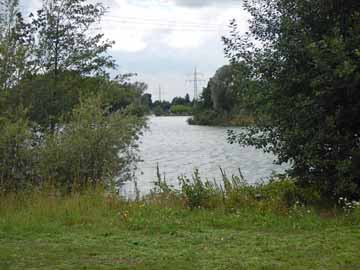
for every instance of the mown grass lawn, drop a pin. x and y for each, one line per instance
(89, 232)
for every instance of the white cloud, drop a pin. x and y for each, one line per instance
(125, 40)
(163, 40)
(204, 3)
(28, 6)
(133, 24)
(183, 40)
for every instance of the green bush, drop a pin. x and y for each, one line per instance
(181, 109)
(16, 154)
(198, 193)
(158, 111)
(92, 148)
(308, 100)
(208, 117)
(280, 194)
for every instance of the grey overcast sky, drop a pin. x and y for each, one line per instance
(163, 40)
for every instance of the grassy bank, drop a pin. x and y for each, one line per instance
(42, 230)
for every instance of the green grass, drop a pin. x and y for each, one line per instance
(93, 231)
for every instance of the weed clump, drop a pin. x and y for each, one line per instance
(280, 194)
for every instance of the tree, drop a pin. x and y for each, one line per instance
(64, 53)
(178, 101)
(187, 99)
(54, 73)
(161, 107)
(181, 110)
(146, 100)
(64, 39)
(92, 148)
(222, 90)
(128, 92)
(308, 69)
(205, 98)
(14, 38)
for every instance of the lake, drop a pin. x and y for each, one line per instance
(180, 148)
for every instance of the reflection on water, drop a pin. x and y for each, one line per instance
(179, 148)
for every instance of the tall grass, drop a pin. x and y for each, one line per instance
(230, 202)
(46, 209)
(44, 228)
(280, 194)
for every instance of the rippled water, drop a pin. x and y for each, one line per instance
(179, 148)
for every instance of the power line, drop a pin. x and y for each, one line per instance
(162, 26)
(167, 22)
(230, 4)
(152, 20)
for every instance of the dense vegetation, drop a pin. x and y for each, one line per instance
(179, 106)
(227, 99)
(68, 129)
(236, 230)
(305, 59)
(62, 119)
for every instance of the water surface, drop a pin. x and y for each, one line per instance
(179, 149)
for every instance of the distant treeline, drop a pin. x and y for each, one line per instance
(178, 106)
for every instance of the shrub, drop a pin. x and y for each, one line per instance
(308, 101)
(92, 148)
(208, 117)
(16, 154)
(280, 194)
(199, 194)
(181, 109)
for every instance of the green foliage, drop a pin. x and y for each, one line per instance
(101, 231)
(160, 184)
(307, 68)
(205, 98)
(161, 108)
(158, 111)
(279, 195)
(64, 40)
(213, 118)
(228, 99)
(178, 106)
(91, 149)
(16, 154)
(62, 119)
(197, 193)
(146, 101)
(51, 102)
(222, 90)
(181, 100)
(48, 101)
(204, 117)
(14, 47)
(181, 109)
